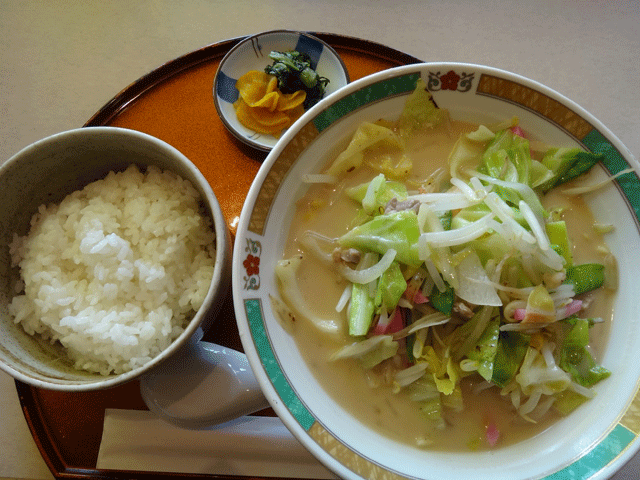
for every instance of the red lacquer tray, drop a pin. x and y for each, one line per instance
(174, 103)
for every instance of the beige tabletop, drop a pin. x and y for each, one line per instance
(60, 61)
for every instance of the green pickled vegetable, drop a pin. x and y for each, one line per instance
(294, 72)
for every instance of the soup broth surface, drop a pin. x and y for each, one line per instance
(367, 395)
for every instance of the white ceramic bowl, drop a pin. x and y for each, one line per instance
(252, 53)
(47, 171)
(592, 442)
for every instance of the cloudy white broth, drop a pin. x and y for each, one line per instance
(429, 301)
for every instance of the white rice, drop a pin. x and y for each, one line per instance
(116, 270)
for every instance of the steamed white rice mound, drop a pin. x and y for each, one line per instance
(116, 270)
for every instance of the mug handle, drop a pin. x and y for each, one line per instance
(202, 385)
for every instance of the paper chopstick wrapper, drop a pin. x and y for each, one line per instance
(251, 446)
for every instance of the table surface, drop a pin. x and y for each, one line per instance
(62, 61)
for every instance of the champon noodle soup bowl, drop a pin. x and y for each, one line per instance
(46, 172)
(591, 442)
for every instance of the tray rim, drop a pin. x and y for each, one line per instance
(136, 89)
(125, 98)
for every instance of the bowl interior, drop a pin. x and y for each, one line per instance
(253, 54)
(589, 444)
(46, 172)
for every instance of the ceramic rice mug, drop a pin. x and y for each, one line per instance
(172, 383)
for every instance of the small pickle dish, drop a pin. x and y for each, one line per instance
(303, 69)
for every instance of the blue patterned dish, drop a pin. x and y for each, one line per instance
(252, 53)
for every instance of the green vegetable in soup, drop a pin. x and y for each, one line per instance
(567, 164)
(575, 357)
(420, 112)
(398, 230)
(473, 278)
(390, 288)
(512, 348)
(585, 277)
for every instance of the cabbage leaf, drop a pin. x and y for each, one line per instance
(425, 391)
(397, 230)
(381, 194)
(444, 370)
(484, 352)
(420, 111)
(391, 286)
(508, 158)
(534, 373)
(367, 135)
